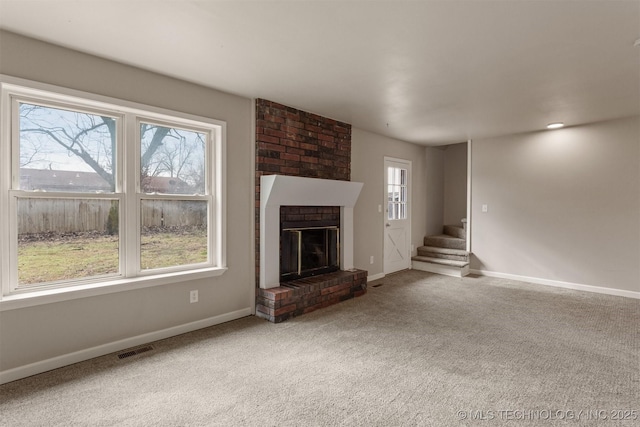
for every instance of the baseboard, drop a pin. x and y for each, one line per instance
(559, 284)
(101, 350)
(375, 277)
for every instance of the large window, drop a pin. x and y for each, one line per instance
(104, 192)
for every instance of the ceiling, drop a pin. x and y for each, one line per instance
(427, 72)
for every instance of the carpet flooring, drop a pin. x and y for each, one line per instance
(417, 349)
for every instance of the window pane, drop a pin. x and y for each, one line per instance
(172, 160)
(66, 239)
(62, 150)
(174, 232)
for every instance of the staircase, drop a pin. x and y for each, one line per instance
(444, 253)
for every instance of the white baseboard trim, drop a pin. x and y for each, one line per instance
(559, 284)
(375, 277)
(101, 350)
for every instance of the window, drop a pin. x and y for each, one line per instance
(397, 193)
(105, 192)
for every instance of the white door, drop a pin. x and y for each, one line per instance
(397, 224)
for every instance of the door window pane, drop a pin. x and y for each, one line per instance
(397, 193)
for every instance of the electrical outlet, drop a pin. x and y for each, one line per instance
(193, 296)
(485, 208)
(371, 259)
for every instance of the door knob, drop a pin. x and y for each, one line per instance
(388, 225)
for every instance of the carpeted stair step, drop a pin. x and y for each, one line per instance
(445, 241)
(455, 231)
(443, 253)
(440, 261)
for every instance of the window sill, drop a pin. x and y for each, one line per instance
(48, 296)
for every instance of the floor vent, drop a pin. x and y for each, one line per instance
(133, 352)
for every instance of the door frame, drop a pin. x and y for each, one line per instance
(409, 165)
(469, 199)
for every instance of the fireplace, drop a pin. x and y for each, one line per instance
(278, 191)
(312, 216)
(308, 251)
(303, 173)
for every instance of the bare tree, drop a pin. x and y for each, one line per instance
(47, 134)
(179, 156)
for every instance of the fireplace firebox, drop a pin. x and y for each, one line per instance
(308, 251)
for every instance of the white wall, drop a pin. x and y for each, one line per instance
(455, 183)
(40, 333)
(563, 205)
(434, 196)
(367, 165)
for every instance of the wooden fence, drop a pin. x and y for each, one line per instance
(75, 215)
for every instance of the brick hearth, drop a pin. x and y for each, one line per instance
(311, 293)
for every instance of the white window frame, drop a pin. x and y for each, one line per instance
(128, 192)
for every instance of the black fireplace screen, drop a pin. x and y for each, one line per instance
(308, 251)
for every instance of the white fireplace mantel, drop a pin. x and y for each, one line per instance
(281, 190)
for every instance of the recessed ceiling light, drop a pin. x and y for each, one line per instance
(557, 125)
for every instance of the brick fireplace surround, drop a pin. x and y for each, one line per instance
(297, 143)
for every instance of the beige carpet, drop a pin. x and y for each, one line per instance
(417, 350)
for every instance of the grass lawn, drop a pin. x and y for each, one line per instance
(159, 250)
(69, 258)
